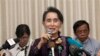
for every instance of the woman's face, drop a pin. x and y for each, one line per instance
(24, 40)
(52, 22)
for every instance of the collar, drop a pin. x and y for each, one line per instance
(55, 41)
(86, 41)
(22, 48)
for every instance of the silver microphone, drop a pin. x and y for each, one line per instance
(51, 44)
(49, 31)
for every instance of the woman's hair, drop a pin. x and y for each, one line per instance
(80, 23)
(21, 29)
(55, 10)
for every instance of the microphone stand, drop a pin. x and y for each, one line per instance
(52, 49)
(52, 45)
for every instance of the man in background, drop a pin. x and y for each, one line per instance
(81, 30)
(22, 47)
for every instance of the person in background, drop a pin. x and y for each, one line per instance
(51, 38)
(81, 30)
(22, 47)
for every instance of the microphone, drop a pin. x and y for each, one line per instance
(75, 51)
(86, 52)
(51, 43)
(9, 43)
(76, 48)
(49, 31)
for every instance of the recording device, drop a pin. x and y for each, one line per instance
(9, 43)
(76, 48)
(75, 51)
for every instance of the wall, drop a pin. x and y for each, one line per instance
(15, 12)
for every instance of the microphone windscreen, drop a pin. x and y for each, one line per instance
(73, 42)
(9, 43)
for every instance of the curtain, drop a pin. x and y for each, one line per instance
(15, 12)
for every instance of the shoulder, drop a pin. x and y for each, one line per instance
(95, 42)
(35, 42)
(14, 48)
(5, 52)
(66, 37)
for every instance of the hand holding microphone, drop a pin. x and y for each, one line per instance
(51, 43)
(50, 40)
(44, 38)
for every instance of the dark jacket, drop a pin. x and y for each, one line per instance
(45, 50)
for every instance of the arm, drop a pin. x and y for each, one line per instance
(38, 44)
(34, 50)
(98, 52)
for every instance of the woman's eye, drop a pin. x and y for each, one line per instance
(48, 20)
(55, 20)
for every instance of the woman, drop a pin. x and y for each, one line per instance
(52, 21)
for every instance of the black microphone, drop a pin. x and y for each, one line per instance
(9, 43)
(75, 51)
(86, 52)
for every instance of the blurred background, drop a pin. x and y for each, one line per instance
(15, 12)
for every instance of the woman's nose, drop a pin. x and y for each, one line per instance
(52, 23)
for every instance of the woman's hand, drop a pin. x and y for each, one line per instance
(44, 39)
